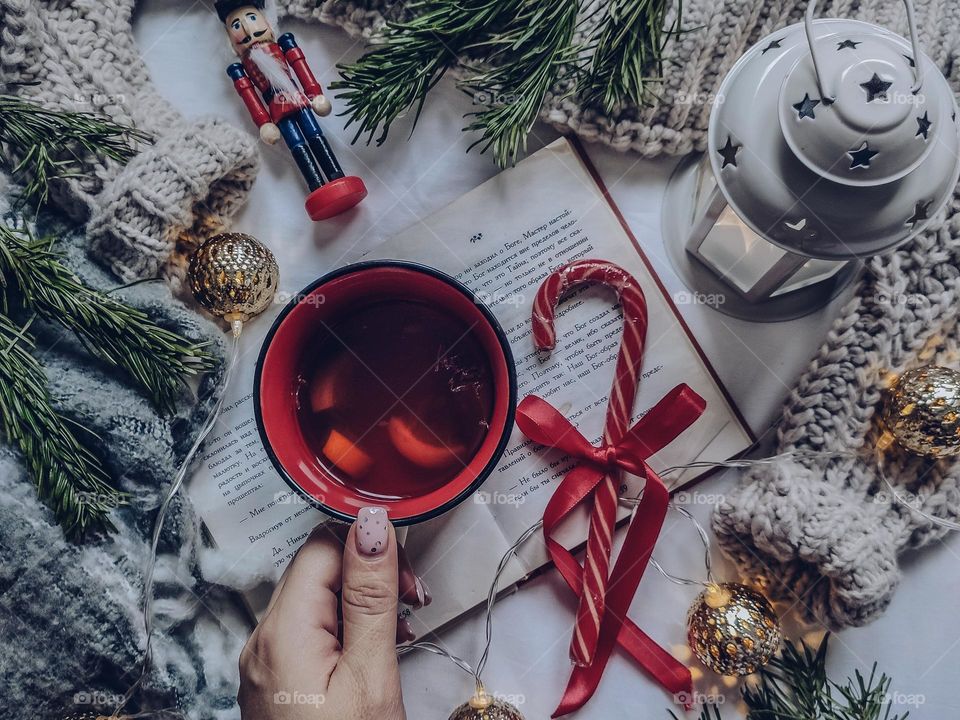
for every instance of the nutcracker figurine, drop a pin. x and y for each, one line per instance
(264, 79)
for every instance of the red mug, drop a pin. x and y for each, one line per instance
(278, 377)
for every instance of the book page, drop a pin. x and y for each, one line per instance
(502, 240)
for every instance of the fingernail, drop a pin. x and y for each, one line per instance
(423, 592)
(372, 535)
(405, 633)
(421, 595)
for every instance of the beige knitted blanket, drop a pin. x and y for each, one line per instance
(145, 216)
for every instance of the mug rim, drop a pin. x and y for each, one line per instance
(488, 316)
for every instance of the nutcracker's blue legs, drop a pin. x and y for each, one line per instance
(301, 152)
(319, 144)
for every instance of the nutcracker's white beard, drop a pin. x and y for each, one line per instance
(274, 71)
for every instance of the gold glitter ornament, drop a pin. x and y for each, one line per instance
(234, 276)
(732, 629)
(483, 706)
(922, 412)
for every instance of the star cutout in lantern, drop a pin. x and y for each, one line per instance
(919, 212)
(848, 44)
(923, 125)
(805, 107)
(773, 44)
(876, 87)
(861, 157)
(729, 153)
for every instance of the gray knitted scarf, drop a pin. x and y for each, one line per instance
(70, 622)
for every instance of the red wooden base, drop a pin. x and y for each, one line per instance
(335, 197)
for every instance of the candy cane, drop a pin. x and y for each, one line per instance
(619, 410)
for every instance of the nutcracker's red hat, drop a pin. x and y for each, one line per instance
(225, 7)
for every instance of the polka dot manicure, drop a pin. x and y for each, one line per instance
(372, 524)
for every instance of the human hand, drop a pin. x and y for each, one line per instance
(321, 106)
(269, 133)
(294, 666)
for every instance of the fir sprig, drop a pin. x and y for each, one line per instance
(795, 686)
(524, 47)
(54, 144)
(525, 60)
(409, 57)
(627, 54)
(68, 476)
(157, 359)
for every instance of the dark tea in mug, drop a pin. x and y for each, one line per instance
(396, 397)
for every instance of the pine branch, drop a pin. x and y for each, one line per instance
(628, 53)
(68, 476)
(53, 144)
(527, 59)
(409, 57)
(155, 358)
(795, 686)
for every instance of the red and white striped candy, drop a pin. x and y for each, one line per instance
(619, 410)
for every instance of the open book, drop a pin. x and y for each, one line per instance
(501, 240)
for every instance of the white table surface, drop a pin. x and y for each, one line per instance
(917, 641)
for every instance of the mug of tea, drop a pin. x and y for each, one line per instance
(385, 383)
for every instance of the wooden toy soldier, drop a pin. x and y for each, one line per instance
(266, 78)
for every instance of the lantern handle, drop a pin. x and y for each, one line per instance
(911, 24)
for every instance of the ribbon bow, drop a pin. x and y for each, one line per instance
(543, 423)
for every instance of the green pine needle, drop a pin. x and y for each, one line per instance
(795, 686)
(54, 144)
(156, 359)
(409, 57)
(523, 49)
(69, 477)
(628, 53)
(526, 59)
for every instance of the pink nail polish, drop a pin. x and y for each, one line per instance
(423, 592)
(372, 535)
(405, 633)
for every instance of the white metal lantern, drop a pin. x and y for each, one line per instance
(830, 141)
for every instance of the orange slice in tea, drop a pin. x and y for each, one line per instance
(323, 390)
(417, 450)
(346, 455)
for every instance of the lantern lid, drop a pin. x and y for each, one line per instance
(822, 139)
(868, 124)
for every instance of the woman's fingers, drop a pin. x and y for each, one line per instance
(369, 595)
(413, 592)
(304, 604)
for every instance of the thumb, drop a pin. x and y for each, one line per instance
(369, 597)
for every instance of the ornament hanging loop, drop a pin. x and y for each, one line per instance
(815, 54)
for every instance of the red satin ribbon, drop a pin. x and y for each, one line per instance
(542, 423)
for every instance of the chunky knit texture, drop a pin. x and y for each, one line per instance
(825, 536)
(70, 622)
(144, 216)
(696, 61)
